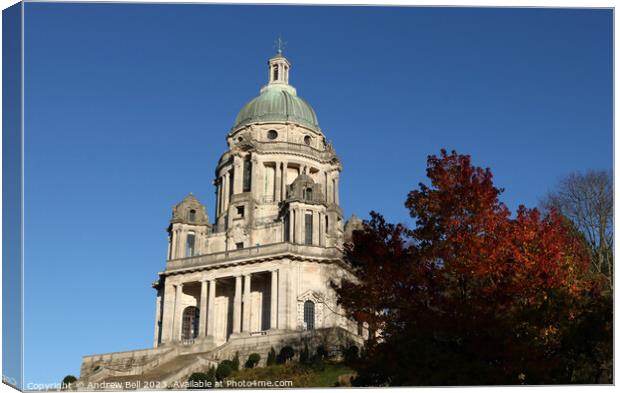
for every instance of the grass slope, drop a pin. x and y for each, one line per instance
(325, 375)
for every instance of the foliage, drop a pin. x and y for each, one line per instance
(252, 361)
(351, 354)
(321, 352)
(224, 369)
(471, 295)
(286, 354)
(300, 375)
(586, 199)
(201, 380)
(304, 354)
(67, 381)
(271, 357)
(235, 362)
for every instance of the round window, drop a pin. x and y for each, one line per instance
(307, 140)
(272, 134)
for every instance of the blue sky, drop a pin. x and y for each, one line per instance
(127, 108)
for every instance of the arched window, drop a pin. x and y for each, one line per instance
(247, 174)
(275, 72)
(308, 229)
(192, 215)
(189, 248)
(191, 322)
(309, 314)
(308, 194)
(307, 140)
(287, 228)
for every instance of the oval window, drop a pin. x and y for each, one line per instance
(272, 134)
(307, 140)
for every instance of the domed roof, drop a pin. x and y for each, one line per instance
(277, 103)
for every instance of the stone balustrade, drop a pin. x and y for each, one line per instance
(279, 249)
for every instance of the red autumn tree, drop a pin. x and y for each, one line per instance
(482, 298)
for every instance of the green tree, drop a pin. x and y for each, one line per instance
(67, 381)
(235, 362)
(252, 361)
(201, 380)
(271, 357)
(286, 354)
(224, 370)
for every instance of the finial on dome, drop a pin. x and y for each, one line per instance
(280, 44)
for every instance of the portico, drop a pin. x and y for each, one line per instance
(214, 307)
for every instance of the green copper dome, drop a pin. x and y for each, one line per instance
(277, 103)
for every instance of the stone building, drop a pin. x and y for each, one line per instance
(257, 275)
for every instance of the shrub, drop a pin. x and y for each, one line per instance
(200, 381)
(67, 381)
(271, 357)
(321, 352)
(304, 354)
(286, 354)
(351, 354)
(235, 362)
(252, 361)
(224, 369)
(211, 374)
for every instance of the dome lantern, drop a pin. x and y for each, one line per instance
(278, 100)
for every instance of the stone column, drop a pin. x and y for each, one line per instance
(316, 224)
(292, 293)
(174, 240)
(202, 327)
(211, 317)
(329, 195)
(226, 191)
(177, 313)
(238, 179)
(157, 319)
(274, 300)
(278, 182)
(218, 190)
(168, 317)
(182, 246)
(325, 190)
(337, 192)
(246, 302)
(291, 226)
(237, 306)
(301, 217)
(284, 172)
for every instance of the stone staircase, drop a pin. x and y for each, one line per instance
(170, 369)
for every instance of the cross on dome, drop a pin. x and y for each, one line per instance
(279, 45)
